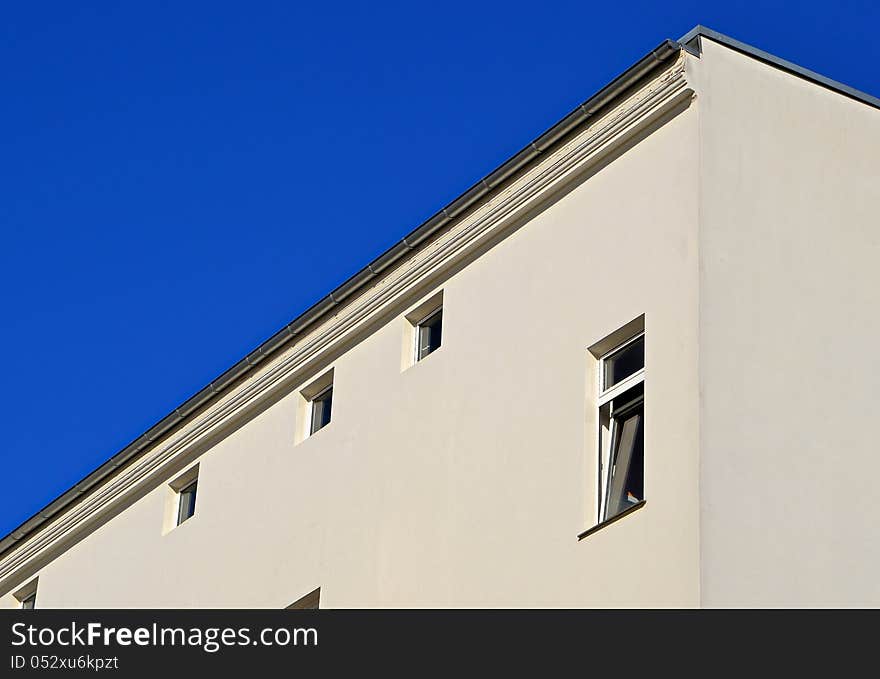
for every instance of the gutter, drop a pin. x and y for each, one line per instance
(595, 105)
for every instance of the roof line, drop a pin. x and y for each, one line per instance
(593, 106)
(691, 42)
(412, 241)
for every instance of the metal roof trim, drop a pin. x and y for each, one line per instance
(691, 41)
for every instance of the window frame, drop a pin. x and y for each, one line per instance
(307, 396)
(417, 348)
(606, 395)
(321, 396)
(618, 425)
(175, 488)
(413, 319)
(607, 431)
(194, 485)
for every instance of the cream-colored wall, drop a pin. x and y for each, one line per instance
(789, 329)
(745, 229)
(465, 479)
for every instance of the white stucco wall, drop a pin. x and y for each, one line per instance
(744, 228)
(465, 480)
(790, 244)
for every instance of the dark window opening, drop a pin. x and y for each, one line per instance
(322, 404)
(29, 602)
(186, 506)
(429, 334)
(624, 362)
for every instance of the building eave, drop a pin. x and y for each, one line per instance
(586, 112)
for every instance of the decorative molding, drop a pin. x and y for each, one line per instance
(587, 147)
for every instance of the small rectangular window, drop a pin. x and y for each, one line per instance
(322, 405)
(429, 334)
(180, 498)
(422, 329)
(27, 596)
(186, 505)
(314, 406)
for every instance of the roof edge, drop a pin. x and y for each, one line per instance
(648, 65)
(691, 42)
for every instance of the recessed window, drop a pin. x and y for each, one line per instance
(180, 503)
(315, 409)
(422, 330)
(622, 421)
(429, 332)
(621, 416)
(27, 596)
(186, 505)
(322, 405)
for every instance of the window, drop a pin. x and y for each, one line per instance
(626, 463)
(621, 418)
(428, 333)
(623, 362)
(322, 404)
(422, 330)
(27, 596)
(180, 502)
(186, 505)
(315, 406)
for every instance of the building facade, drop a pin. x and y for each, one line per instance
(618, 372)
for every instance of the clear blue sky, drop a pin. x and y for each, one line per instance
(181, 179)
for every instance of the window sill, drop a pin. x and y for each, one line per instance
(608, 522)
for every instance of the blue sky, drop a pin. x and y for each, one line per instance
(181, 179)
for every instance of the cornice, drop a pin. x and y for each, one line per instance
(635, 114)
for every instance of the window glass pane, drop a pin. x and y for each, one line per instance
(627, 399)
(430, 331)
(187, 503)
(29, 602)
(321, 407)
(626, 486)
(623, 363)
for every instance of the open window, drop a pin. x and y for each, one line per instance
(624, 462)
(621, 417)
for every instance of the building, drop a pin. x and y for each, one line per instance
(618, 371)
